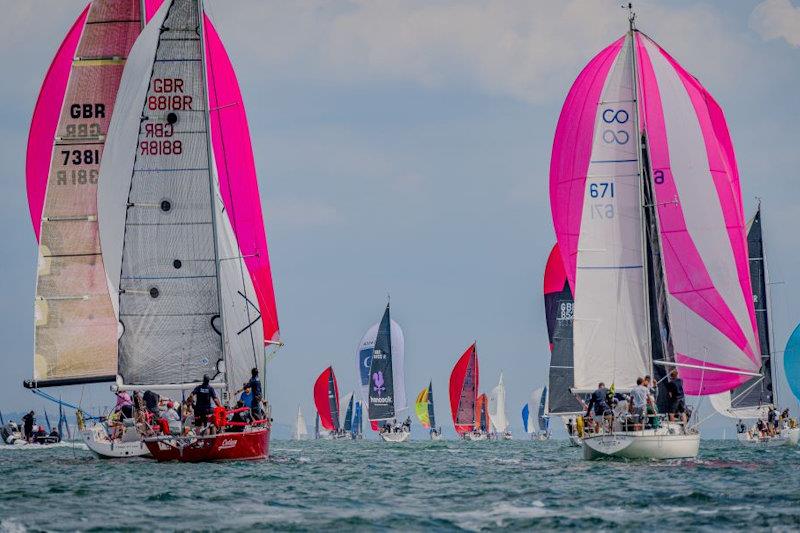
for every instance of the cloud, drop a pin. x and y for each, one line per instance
(777, 19)
(510, 48)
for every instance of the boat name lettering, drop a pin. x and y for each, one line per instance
(154, 129)
(228, 444)
(87, 111)
(380, 400)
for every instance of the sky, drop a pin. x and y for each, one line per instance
(403, 148)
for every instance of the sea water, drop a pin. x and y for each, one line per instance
(368, 485)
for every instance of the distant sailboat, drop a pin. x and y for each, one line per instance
(357, 429)
(326, 400)
(755, 398)
(527, 422)
(300, 429)
(316, 426)
(497, 410)
(349, 413)
(541, 420)
(646, 204)
(425, 412)
(386, 395)
(464, 380)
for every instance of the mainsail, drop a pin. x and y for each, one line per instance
(347, 402)
(431, 414)
(75, 328)
(188, 294)
(464, 390)
(483, 420)
(364, 355)
(753, 398)
(300, 429)
(638, 130)
(386, 395)
(542, 418)
(357, 421)
(497, 407)
(559, 308)
(326, 399)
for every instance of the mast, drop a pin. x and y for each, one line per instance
(770, 338)
(641, 171)
(211, 187)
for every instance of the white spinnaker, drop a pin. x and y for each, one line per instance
(692, 335)
(497, 407)
(300, 429)
(366, 346)
(610, 333)
(533, 410)
(120, 149)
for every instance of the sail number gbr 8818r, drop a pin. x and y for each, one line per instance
(169, 96)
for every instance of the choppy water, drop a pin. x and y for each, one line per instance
(443, 486)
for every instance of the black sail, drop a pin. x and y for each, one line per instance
(431, 418)
(381, 383)
(558, 307)
(333, 400)
(759, 390)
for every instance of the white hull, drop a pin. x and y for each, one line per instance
(130, 445)
(476, 436)
(395, 436)
(787, 437)
(644, 444)
(435, 435)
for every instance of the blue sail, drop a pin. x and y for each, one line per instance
(348, 416)
(355, 430)
(791, 362)
(525, 413)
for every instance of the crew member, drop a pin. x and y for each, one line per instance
(27, 425)
(203, 395)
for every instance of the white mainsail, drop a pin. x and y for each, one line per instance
(179, 286)
(497, 407)
(300, 429)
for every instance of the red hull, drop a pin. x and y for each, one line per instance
(248, 445)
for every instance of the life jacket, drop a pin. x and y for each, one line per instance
(163, 425)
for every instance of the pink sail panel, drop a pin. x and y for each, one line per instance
(572, 150)
(702, 231)
(45, 120)
(236, 171)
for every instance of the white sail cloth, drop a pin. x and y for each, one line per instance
(497, 407)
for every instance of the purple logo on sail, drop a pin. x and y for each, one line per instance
(377, 379)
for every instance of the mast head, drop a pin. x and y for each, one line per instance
(631, 15)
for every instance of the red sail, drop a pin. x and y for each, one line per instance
(464, 390)
(322, 399)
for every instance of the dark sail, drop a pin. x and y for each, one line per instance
(316, 427)
(759, 390)
(333, 400)
(381, 384)
(660, 336)
(430, 406)
(558, 306)
(348, 416)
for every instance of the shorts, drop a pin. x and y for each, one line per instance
(638, 412)
(200, 418)
(678, 407)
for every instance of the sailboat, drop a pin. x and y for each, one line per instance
(464, 379)
(497, 410)
(791, 368)
(539, 419)
(559, 307)
(754, 399)
(425, 412)
(646, 204)
(317, 434)
(181, 231)
(386, 396)
(75, 327)
(326, 400)
(349, 412)
(357, 429)
(300, 429)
